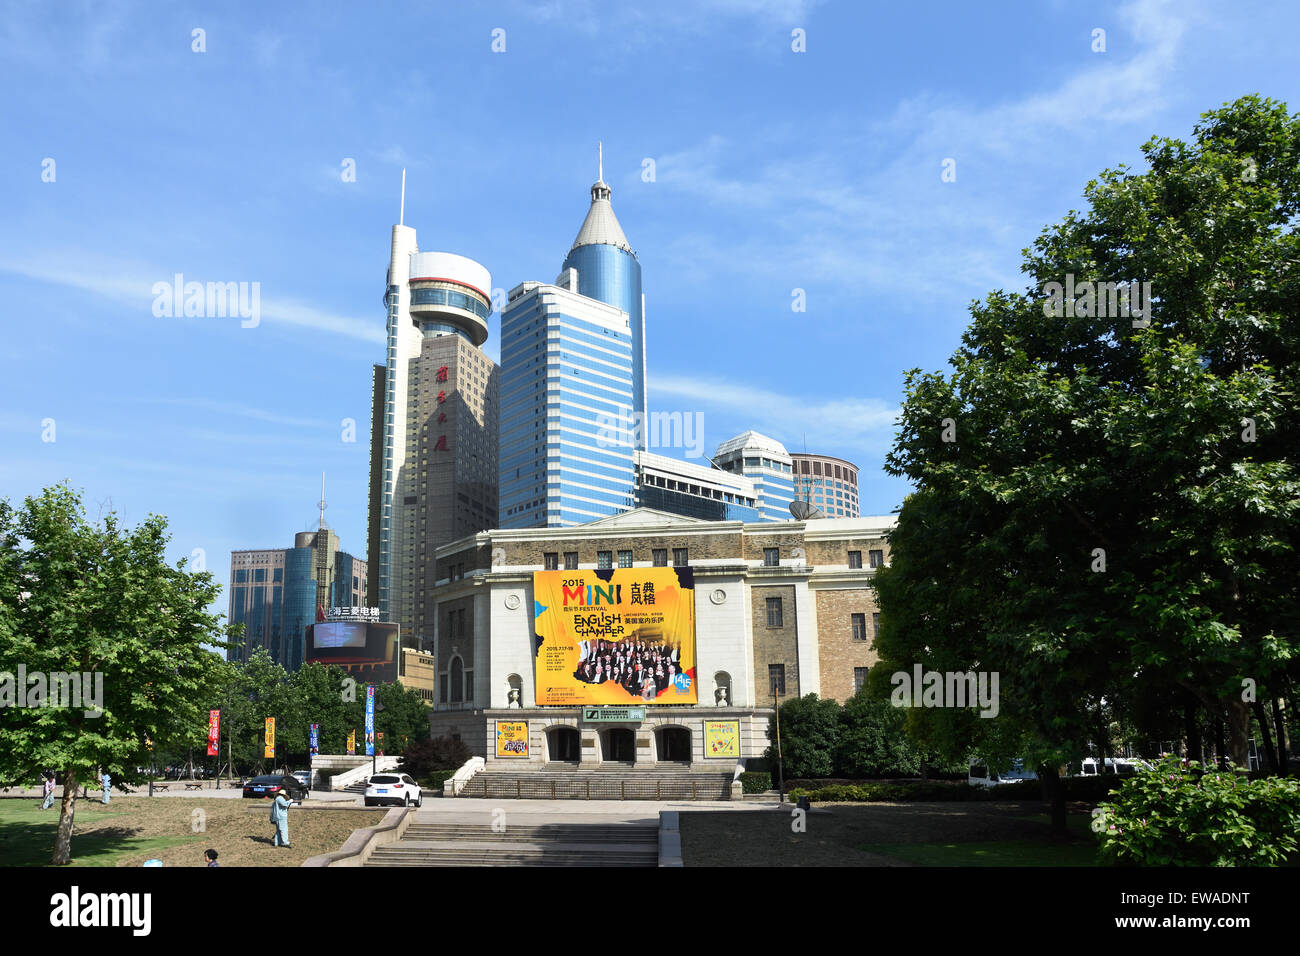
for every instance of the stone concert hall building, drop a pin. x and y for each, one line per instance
(780, 609)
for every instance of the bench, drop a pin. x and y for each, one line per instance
(160, 786)
(194, 786)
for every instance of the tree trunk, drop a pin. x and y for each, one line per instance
(1054, 793)
(1239, 733)
(63, 839)
(1283, 757)
(1262, 716)
(1220, 744)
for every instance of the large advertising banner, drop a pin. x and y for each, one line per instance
(615, 636)
(314, 739)
(269, 749)
(722, 738)
(214, 731)
(512, 738)
(370, 721)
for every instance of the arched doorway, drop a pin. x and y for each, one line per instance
(674, 744)
(618, 745)
(562, 744)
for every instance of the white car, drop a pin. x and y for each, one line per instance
(395, 788)
(303, 777)
(979, 775)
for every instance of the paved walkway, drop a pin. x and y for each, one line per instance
(542, 812)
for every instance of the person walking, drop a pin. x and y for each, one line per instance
(48, 785)
(280, 817)
(210, 856)
(108, 784)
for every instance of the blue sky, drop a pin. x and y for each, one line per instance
(775, 170)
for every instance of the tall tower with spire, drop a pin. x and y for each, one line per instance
(608, 271)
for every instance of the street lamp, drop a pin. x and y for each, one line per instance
(374, 743)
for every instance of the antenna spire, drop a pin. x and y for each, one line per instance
(401, 221)
(321, 503)
(600, 161)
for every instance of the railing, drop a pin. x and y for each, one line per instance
(592, 788)
(453, 785)
(341, 781)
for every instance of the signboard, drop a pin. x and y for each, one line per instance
(370, 720)
(269, 749)
(354, 613)
(314, 742)
(352, 741)
(214, 731)
(722, 738)
(620, 714)
(615, 636)
(512, 738)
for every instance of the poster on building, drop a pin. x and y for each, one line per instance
(269, 749)
(722, 738)
(214, 732)
(370, 721)
(314, 742)
(352, 741)
(615, 636)
(512, 738)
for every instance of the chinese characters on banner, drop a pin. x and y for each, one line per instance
(214, 731)
(441, 443)
(315, 739)
(722, 738)
(269, 749)
(370, 720)
(512, 738)
(352, 741)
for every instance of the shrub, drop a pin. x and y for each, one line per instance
(873, 740)
(755, 782)
(432, 781)
(422, 757)
(1177, 814)
(809, 734)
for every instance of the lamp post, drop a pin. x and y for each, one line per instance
(780, 766)
(374, 744)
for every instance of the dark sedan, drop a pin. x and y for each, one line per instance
(269, 785)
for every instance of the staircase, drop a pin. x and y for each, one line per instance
(561, 844)
(607, 783)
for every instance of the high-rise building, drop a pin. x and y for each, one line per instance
(566, 375)
(694, 491)
(830, 484)
(608, 270)
(278, 593)
(766, 463)
(433, 457)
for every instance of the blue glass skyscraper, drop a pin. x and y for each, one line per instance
(609, 272)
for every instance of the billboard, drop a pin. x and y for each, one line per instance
(512, 738)
(269, 749)
(367, 650)
(615, 636)
(722, 738)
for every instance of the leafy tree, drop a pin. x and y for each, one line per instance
(810, 729)
(1108, 501)
(873, 740)
(98, 598)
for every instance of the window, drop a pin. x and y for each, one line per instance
(774, 616)
(660, 556)
(570, 560)
(859, 678)
(277, 575)
(551, 560)
(877, 558)
(457, 680)
(855, 559)
(859, 627)
(442, 688)
(776, 679)
(625, 559)
(875, 623)
(679, 557)
(771, 557)
(604, 559)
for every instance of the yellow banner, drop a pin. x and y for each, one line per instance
(512, 738)
(352, 741)
(616, 636)
(722, 738)
(269, 750)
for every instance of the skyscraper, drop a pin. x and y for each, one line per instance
(608, 270)
(566, 383)
(433, 447)
(766, 463)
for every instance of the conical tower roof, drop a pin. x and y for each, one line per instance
(601, 225)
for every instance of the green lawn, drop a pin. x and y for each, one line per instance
(27, 836)
(1000, 853)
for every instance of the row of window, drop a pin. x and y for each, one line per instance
(776, 679)
(877, 558)
(605, 559)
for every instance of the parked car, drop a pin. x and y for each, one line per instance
(979, 775)
(303, 777)
(1120, 766)
(268, 785)
(395, 788)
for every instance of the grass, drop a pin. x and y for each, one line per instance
(1000, 853)
(131, 830)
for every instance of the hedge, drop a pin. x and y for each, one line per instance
(753, 781)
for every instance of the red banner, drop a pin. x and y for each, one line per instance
(214, 731)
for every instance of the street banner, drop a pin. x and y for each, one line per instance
(214, 731)
(722, 738)
(370, 720)
(315, 739)
(352, 741)
(512, 738)
(615, 636)
(269, 750)
(379, 743)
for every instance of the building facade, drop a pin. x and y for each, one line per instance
(780, 609)
(278, 593)
(766, 464)
(433, 425)
(831, 484)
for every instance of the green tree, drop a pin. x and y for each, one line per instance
(873, 740)
(810, 728)
(1108, 501)
(98, 598)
